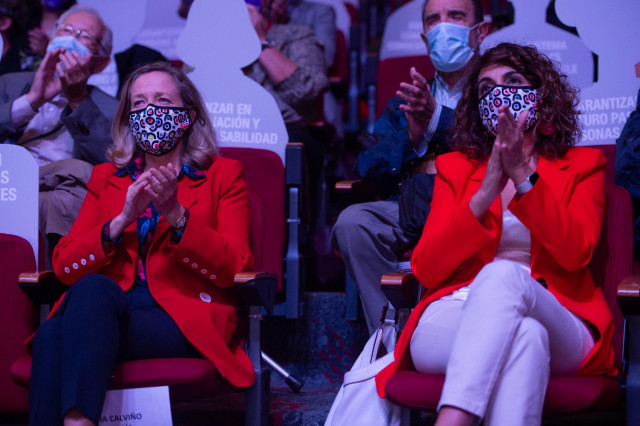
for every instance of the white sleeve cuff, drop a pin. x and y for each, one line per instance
(423, 146)
(21, 111)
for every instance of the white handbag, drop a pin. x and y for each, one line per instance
(357, 402)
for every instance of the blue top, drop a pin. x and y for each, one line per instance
(385, 164)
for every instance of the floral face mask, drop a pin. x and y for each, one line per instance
(159, 129)
(518, 98)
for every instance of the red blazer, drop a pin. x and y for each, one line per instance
(191, 280)
(564, 212)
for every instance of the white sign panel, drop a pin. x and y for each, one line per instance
(162, 27)
(125, 18)
(154, 24)
(530, 28)
(610, 29)
(19, 194)
(218, 45)
(401, 35)
(137, 407)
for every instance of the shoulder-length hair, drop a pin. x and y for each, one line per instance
(199, 143)
(557, 104)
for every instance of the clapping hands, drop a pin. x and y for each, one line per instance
(61, 72)
(509, 142)
(159, 185)
(508, 160)
(419, 107)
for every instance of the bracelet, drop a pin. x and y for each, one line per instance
(528, 183)
(267, 44)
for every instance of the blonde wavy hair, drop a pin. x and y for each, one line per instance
(199, 143)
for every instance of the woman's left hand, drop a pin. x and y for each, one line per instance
(509, 143)
(163, 190)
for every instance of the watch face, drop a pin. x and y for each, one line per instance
(181, 222)
(534, 178)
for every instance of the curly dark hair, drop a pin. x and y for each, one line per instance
(557, 103)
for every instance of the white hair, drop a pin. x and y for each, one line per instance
(107, 35)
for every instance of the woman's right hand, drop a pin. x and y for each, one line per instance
(495, 179)
(135, 203)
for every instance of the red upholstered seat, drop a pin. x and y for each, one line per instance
(189, 378)
(564, 394)
(264, 174)
(18, 317)
(339, 71)
(612, 261)
(393, 71)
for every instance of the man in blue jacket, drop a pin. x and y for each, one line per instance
(409, 134)
(628, 167)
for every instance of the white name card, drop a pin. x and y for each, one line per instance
(137, 407)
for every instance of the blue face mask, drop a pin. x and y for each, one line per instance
(68, 43)
(449, 46)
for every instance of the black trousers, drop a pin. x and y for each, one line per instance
(75, 351)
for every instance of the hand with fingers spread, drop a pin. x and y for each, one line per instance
(74, 71)
(163, 189)
(46, 83)
(509, 142)
(419, 107)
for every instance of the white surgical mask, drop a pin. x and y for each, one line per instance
(449, 46)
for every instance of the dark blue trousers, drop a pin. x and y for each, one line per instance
(75, 351)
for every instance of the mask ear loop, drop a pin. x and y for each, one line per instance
(200, 120)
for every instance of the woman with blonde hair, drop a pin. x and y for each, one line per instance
(151, 257)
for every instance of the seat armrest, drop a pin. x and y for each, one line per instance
(354, 191)
(253, 288)
(401, 288)
(628, 295)
(43, 288)
(294, 161)
(256, 289)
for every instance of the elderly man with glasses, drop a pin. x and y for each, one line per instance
(64, 122)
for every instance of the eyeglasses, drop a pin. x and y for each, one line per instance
(83, 36)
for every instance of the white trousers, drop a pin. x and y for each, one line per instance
(498, 348)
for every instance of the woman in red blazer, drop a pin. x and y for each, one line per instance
(151, 257)
(515, 218)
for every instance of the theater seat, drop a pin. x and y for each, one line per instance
(18, 317)
(611, 267)
(190, 379)
(277, 202)
(393, 71)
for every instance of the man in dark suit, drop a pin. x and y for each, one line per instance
(63, 122)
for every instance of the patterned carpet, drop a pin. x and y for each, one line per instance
(319, 348)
